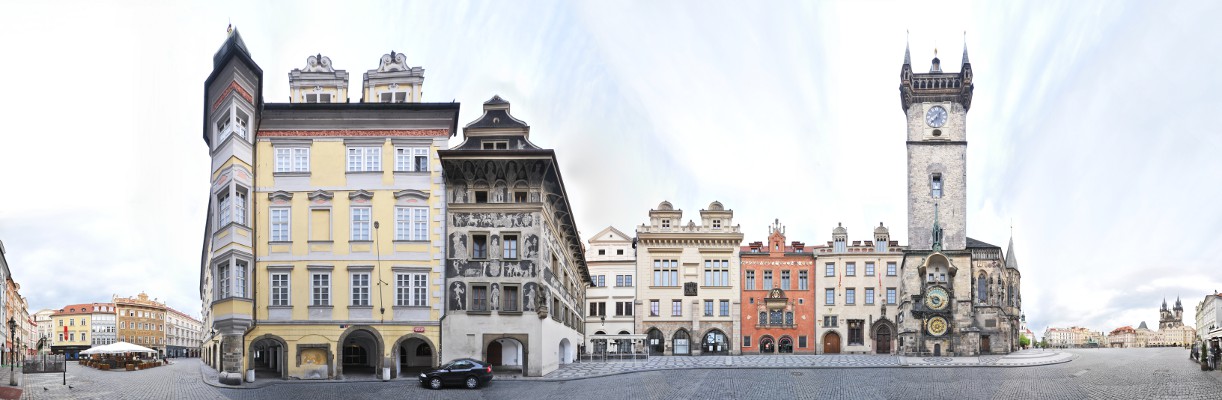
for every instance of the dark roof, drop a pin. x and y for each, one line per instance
(497, 119)
(976, 244)
(233, 47)
(495, 100)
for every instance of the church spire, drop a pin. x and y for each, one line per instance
(1011, 261)
(965, 61)
(907, 54)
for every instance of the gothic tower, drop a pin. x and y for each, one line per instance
(936, 316)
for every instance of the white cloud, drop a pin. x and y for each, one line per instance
(1093, 126)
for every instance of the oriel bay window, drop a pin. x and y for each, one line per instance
(665, 273)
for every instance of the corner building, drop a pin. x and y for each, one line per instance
(690, 303)
(298, 279)
(959, 296)
(516, 270)
(778, 296)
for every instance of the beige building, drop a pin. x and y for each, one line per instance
(688, 295)
(857, 291)
(610, 324)
(141, 321)
(1075, 336)
(44, 332)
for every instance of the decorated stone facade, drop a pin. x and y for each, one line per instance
(958, 297)
(515, 269)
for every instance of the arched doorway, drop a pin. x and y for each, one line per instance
(624, 345)
(715, 342)
(831, 343)
(414, 354)
(565, 351)
(269, 357)
(785, 346)
(882, 340)
(505, 355)
(656, 342)
(599, 345)
(682, 343)
(360, 353)
(767, 345)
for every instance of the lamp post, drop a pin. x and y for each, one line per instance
(12, 374)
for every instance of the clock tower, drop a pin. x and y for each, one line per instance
(936, 304)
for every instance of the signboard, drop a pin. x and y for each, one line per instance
(418, 329)
(689, 289)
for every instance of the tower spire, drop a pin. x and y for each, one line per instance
(965, 61)
(907, 56)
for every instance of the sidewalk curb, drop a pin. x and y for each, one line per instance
(248, 386)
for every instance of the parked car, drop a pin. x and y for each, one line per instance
(465, 371)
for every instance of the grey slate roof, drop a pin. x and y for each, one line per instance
(976, 244)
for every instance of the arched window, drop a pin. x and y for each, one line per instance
(982, 289)
(682, 342)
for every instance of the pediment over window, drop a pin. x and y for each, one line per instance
(361, 195)
(321, 196)
(280, 195)
(776, 299)
(412, 193)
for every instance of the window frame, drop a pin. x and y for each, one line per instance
(676, 308)
(364, 225)
(829, 297)
(291, 159)
(281, 231)
(320, 289)
(407, 159)
(509, 248)
(358, 290)
(829, 269)
(361, 158)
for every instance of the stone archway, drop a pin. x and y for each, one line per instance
(413, 352)
(268, 356)
(565, 351)
(359, 345)
(883, 335)
(656, 342)
(715, 342)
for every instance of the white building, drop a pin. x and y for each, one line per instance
(183, 333)
(42, 319)
(1209, 317)
(609, 317)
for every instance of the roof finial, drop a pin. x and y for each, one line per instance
(965, 48)
(229, 30)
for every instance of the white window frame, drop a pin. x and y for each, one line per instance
(222, 282)
(239, 206)
(395, 96)
(241, 267)
(411, 289)
(411, 223)
(292, 159)
(359, 289)
(320, 289)
(407, 159)
(224, 213)
(364, 159)
(281, 223)
(359, 229)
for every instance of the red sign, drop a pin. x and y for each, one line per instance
(418, 329)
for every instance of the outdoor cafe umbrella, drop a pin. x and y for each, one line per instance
(119, 348)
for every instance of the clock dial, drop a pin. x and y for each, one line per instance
(936, 299)
(936, 326)
(936, 116)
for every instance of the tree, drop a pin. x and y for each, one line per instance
(1023, 341)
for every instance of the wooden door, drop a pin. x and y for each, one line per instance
(882, 341)
(831, 343)
(494, 353)
(984, 345)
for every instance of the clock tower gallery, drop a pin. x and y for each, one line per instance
(935, 311)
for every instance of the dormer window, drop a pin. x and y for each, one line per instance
(935, 185)
(495, 144)
(666, 223)
(393, 97)
(716, 223)
(880, 245)
(318, 98)
(841, 246)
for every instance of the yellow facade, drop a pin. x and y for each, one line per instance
(77, 332)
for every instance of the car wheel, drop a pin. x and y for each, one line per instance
(472, 383)
(435, 383)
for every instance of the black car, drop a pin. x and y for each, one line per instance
(468, 372)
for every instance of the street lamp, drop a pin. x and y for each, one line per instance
(12, 330)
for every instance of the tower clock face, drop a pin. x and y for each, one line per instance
(936, 326)
(936, 116)
(936, 299)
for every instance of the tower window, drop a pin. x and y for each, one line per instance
(937, 132)
(935, 185)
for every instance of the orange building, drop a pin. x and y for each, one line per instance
(141, 321)
(778, 303)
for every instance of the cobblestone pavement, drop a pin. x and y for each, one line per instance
(1163, 373)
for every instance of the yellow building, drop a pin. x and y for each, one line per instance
(306, 285)
(71, 329)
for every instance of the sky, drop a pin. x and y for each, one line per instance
(1093, 134)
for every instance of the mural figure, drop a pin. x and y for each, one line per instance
(529, 295)
(458, 300)
(532, 247)
(496, 296)
(494, 250)
(458, 243)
